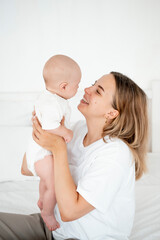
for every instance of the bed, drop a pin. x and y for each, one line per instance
(19, 194)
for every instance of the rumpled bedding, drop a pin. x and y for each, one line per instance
(21, 197)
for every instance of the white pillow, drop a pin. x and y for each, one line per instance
(13, 143)
(16, 108)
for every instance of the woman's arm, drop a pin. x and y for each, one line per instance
(70, 203)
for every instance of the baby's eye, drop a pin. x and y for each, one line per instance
(97, 91)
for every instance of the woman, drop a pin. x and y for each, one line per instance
(94, 183)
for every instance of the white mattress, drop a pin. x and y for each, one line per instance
(21, 197)
(147, 217)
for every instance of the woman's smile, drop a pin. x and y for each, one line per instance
(84, 101)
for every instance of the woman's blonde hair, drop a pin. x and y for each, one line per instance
(131, 125)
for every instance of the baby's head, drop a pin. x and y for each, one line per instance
(62, 76)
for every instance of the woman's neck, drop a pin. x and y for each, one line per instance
(94, 133)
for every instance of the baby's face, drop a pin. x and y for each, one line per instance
(72, 88)
(73, 78)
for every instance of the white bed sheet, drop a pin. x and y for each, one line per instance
(21, 197)
(147, 216)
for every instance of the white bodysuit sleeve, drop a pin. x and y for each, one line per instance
(102, 181)
(51, 116)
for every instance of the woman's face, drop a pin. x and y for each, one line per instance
(97, 100)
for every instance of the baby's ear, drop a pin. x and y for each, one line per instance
(63, 85)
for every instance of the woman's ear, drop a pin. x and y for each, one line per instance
(63, 85)
(112, 114)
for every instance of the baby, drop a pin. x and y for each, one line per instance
(62, 76)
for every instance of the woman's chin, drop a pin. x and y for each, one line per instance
(82, 110)
(80, 107)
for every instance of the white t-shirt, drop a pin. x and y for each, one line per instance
(50, 109)
(105, 177)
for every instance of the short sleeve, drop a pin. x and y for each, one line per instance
(101, 182)
(51, 116)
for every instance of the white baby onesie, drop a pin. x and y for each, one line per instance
(50, 109)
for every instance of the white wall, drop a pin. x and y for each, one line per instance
(102, 35)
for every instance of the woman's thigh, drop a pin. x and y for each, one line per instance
(23, 227)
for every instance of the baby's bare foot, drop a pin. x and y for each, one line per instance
(40, 204)
(50, 222)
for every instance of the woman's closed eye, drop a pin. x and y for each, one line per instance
(98, 92)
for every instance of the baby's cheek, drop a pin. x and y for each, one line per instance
(76, 90)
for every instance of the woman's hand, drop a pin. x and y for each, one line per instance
(49, 141)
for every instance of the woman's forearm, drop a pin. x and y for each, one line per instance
(65, 188)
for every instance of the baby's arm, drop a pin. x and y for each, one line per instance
(64, 132)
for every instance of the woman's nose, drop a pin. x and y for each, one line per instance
(88, 90)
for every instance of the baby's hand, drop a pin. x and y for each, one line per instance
(69, 135)
(33, 115)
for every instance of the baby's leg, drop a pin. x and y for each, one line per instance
(42, 189)
(24, 167)
(44, 169)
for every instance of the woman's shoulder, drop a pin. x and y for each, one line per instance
(125, 153)
(120, 150)
(118, 143)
